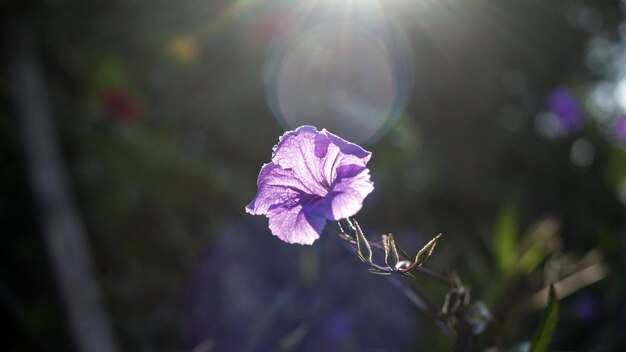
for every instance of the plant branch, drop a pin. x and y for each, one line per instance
(446, 280)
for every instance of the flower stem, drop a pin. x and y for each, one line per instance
(352, 223)
(435, 275)
(421, 304)
(418, 300)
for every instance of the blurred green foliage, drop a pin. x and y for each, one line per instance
(542, 339)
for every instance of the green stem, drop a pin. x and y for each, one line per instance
(352, 223)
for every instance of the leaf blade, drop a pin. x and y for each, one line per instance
(363, 246)
(542, 338)
(505, 239)
(422, 256)
(391, 252)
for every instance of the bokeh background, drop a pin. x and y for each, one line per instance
(500, 124)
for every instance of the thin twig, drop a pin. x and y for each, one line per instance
(446, 280)
(421, 304)
(417, 299)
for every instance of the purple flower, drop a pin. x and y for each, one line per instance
(564, 105)
(586, 307)
(313, 177)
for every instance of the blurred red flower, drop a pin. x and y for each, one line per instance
(121, 105)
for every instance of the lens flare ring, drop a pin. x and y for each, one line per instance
(352, 75)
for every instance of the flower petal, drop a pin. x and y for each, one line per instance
(340, 153)
(348, 148)
(296, 151)
(313, 177)
(296, 223)
(348, 191)
(275, 186)
(315, 156)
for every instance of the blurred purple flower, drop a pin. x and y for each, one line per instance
(562, 103)
(313, 177)
(340, 326)
(620, 129)
(586, 307)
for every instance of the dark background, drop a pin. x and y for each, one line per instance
(504, 125)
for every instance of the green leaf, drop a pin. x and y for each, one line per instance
(343, 234)
(424, 253)
(358, 254)
(379, 272)
(109, 72)
(363, 247)
(408, 274)
(505, 239)
(546, 329)
(391, 253)
(537, 243)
